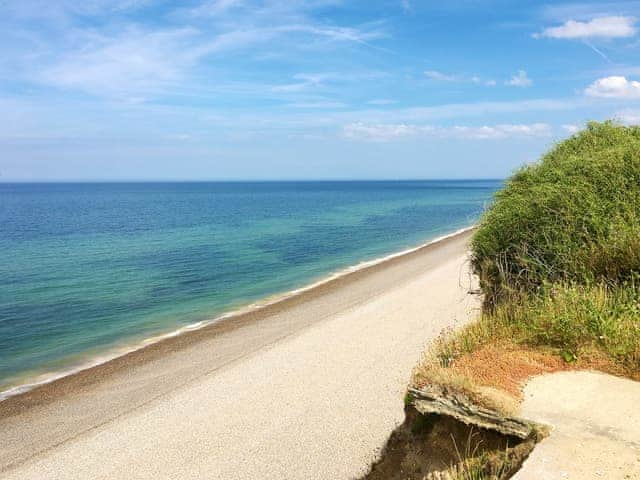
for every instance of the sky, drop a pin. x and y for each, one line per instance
(317, 89)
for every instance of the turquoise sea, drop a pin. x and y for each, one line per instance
(85, 268)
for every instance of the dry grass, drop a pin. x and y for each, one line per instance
(491, 359)
(492, 376)
(500, 366)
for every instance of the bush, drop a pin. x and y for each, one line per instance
(574, 217)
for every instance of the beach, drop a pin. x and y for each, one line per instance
(306, 387)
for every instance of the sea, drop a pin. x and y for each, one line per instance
(89, 271)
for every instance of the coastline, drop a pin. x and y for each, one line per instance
(39, 423)
(113, 354)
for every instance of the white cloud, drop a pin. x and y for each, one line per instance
(406, 6)
(501, 131)
(479, 81)
(602, 27)
(521, 79)
(389, 132)
(445, 77)
(439, 76)
(379, 132)
(571, 128)
(614, 87)
(628, 117)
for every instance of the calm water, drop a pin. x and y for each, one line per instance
(86, 267)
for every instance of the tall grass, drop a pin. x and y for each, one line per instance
(573, 321)
(558, 252)
(572, 217)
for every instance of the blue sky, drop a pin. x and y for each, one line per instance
(277, 89)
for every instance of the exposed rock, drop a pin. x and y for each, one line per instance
(438, 400)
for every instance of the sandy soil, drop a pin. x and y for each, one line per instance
(309, 388)
(595, 421)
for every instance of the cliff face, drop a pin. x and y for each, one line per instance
(445, 436)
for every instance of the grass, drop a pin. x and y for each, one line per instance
(558, 254)
(562, 327)
(572, 217)
(473, 465)
(558, 259)
(571, 321)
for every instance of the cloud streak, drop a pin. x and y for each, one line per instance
(389, 132)
(438, 76)
(125, 58)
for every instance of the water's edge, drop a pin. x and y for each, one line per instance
(109, 355)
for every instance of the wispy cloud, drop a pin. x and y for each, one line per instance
(502, 131)
(61, 8)
(326, 104)
(215, 7)
(614, 87)
(601, 27)
(127, 57)
(381, 101)
(381, 132)
(304, 81)
(628, 117)
(521, 79)
(438, 76)
(131, 62)
(389, 132)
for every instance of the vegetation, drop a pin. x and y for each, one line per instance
(558, 253)
(573, 217)
(558, 259)
(596, 323)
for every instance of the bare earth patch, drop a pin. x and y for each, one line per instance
(501, 367)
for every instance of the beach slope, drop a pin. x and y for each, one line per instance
(309, 387)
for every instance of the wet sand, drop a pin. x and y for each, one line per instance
(307, 387)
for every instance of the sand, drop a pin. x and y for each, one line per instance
(308, 388)
(595, 421)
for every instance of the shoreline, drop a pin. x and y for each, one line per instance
(290, 376)
(56, 383)
(40, 380)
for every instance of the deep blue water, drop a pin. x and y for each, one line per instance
(86, 267)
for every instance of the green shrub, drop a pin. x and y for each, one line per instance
(574, 217)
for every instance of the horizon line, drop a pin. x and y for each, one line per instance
(239, 180)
